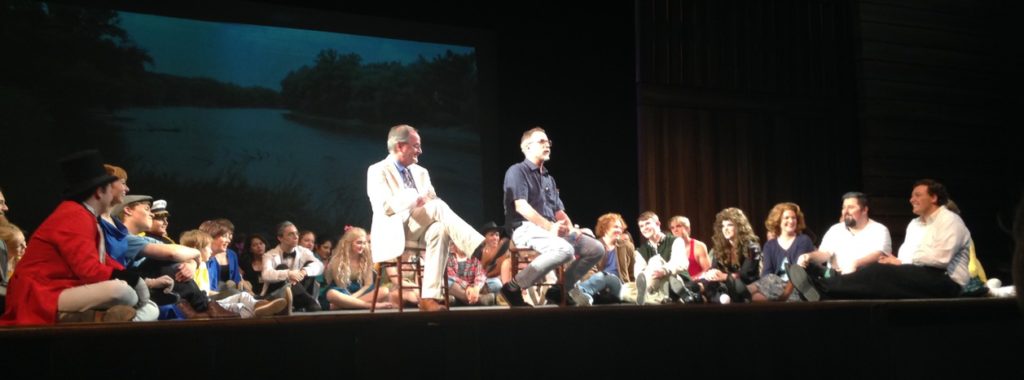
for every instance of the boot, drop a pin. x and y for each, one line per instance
(119, 313)
(190, 312)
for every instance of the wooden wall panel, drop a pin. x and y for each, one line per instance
(745, 104)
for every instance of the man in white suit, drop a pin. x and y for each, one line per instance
(405, 208)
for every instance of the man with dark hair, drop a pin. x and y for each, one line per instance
(406, 208)
(535, 212)
(932, 263)
(854, 242)
(288, 271)
(66, 269)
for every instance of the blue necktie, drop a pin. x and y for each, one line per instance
(407, 178)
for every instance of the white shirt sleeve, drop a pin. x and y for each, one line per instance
(312, 266)
(679, 262)
(942, 238)
(271, 259)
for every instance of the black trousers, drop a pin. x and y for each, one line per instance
(883, 281)
(186, 290)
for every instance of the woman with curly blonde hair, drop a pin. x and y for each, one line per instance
(349, 274)
(786, 223)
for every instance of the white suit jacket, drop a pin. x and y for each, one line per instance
(391, 204)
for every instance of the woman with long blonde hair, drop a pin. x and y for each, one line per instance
(349, 274)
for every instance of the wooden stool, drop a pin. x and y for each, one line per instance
(525, 255)
(412, 264)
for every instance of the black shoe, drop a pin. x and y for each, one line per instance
(802, 283)
(514, 298)
(554, 296)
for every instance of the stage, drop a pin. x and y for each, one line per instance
(887, 339)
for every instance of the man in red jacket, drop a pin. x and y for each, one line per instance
(65, 269)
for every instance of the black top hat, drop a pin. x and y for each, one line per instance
(83, 171)
(490, 226)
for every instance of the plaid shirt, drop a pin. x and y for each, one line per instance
(471, 273)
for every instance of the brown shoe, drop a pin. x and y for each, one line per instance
(190, 312)
(217, 311)
(269, 308)
(430, 305)
(77, 316)
(119, 313)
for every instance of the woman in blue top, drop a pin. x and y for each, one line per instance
(225, 278)
(786, 223)
(349, 274)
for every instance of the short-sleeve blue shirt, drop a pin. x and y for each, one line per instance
(532, 183)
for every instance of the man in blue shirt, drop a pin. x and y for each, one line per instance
(536, 215)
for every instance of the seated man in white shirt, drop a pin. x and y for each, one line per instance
(853, 243)
(291, 264)
(932, 261)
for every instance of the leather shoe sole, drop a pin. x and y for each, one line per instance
(430, 305)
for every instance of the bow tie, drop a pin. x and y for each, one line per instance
(288, 255)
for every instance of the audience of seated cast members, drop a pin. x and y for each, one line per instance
(169, 279)
(250, 262)
(786, 222)
(240, 304)
(854, 261)
(124, 244)
(66, 272)
(735, 258)
(933, 260)
(603, 284)
(697, 252)
(467, 280)
(225, 276)
(350, 276)
(288, 270)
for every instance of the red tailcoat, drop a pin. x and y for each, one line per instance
(62, 253)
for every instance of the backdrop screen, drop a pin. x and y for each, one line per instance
(254, 122)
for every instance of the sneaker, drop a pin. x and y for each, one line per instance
(641, 289)
(269, 308)
(802, 283)
(514, 298)
(580, 298)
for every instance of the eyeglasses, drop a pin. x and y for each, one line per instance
(545, 142)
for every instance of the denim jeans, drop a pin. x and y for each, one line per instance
(601, 281)
(554, 251)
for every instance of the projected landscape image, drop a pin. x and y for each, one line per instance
(255, 123)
